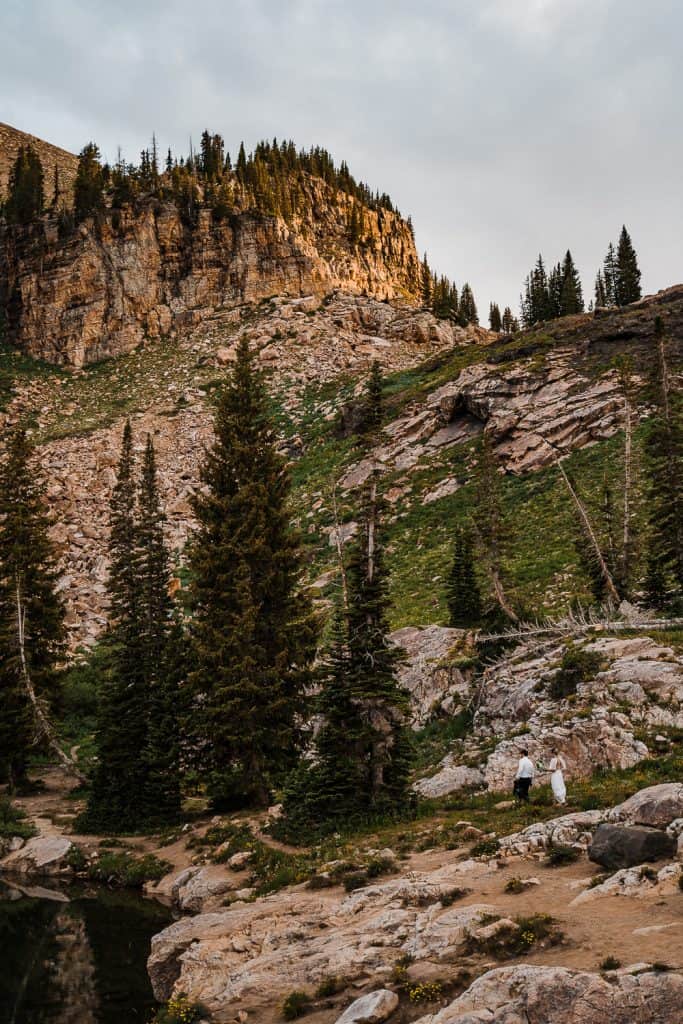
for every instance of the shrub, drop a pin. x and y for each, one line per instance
(355, 880)
(610, 963)
(330, 986)
(13, 821)
(425, 991)
(518, 939)
(179, 1010)
(514, 886)
(295, 1005)
(446, 899)
(485, 848)
(559, 854)
(127, 870)
(577, 666)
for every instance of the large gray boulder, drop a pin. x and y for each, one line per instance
(370, 1009)
(656, 806)
(555, 995)
(623, 846)
(40, 856)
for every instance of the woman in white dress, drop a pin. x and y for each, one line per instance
(558, 765)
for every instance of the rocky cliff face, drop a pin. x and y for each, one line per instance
(134, 275)
(59, 166)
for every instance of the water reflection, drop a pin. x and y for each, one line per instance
(75, 956)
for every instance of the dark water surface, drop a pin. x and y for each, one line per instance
(73, 956)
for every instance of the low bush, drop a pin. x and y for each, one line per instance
(610, 963)
(485, 848)
(559, 854)
(330, 986)
(295, 1005)
(577, 666)
(514, 886)
(13, 821)
(125, 869)
(179, 1010)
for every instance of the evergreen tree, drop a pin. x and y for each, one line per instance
(371, 668)
(426, 282)
(610, 276)
(462, 587)
(508, 321)
(628, 273)
(600, 290)
(495, 320)
(88, 183)
(25, 193)
(664, 474)
(571, 293)
(160, 640)
(254, 633)
(467, 310)
(117, 799)
(374, 397)
(490, 523)
(31, 613)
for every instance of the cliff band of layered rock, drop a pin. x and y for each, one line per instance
(59, 166)
(131, 275)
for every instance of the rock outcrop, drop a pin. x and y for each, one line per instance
(555, 995)
(133, 275)
(59, 166)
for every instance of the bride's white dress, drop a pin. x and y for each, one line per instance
(557, 767)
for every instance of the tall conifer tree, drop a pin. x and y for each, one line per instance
(628, 273)
(664, 474)
(254, 633)
(31, 612)
(463, 593)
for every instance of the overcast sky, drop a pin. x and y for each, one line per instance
(504, 127)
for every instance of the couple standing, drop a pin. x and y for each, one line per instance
(526, 772)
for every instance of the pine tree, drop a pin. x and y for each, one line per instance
(426, 282)
(490, 523)
(600, 290)
(508, 321)
(628, 273)
(610, 276)
(254, 633)
(495, 320)
(467, 310)
(664, 474)
(374, 397)
(463, 593)
(31, 613)
(372, 665)
(571, 293)
(25, 191)
(160, 641)
(88, 183)
(117, 799)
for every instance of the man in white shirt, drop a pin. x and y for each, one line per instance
(524, 776)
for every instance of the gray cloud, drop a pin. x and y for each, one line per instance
(505, 127)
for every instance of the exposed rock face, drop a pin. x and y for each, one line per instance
(52, 158)
(133, 276)
(294, 939)
(623, 846)
(555, 995)
(434, 682)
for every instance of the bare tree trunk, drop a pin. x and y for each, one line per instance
(500, 595)
(588, 529)
(340, 553)
(372, 525)
(43, 725)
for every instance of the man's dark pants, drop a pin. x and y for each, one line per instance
(523, 786)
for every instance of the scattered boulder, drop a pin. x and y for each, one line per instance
(623, 846)
(370, 1009)
(556, 995)
(449, 778)
(42, 855)
(197, 888)
(656, 806)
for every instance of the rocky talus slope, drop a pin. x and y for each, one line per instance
(59, 166)
(133, 275)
